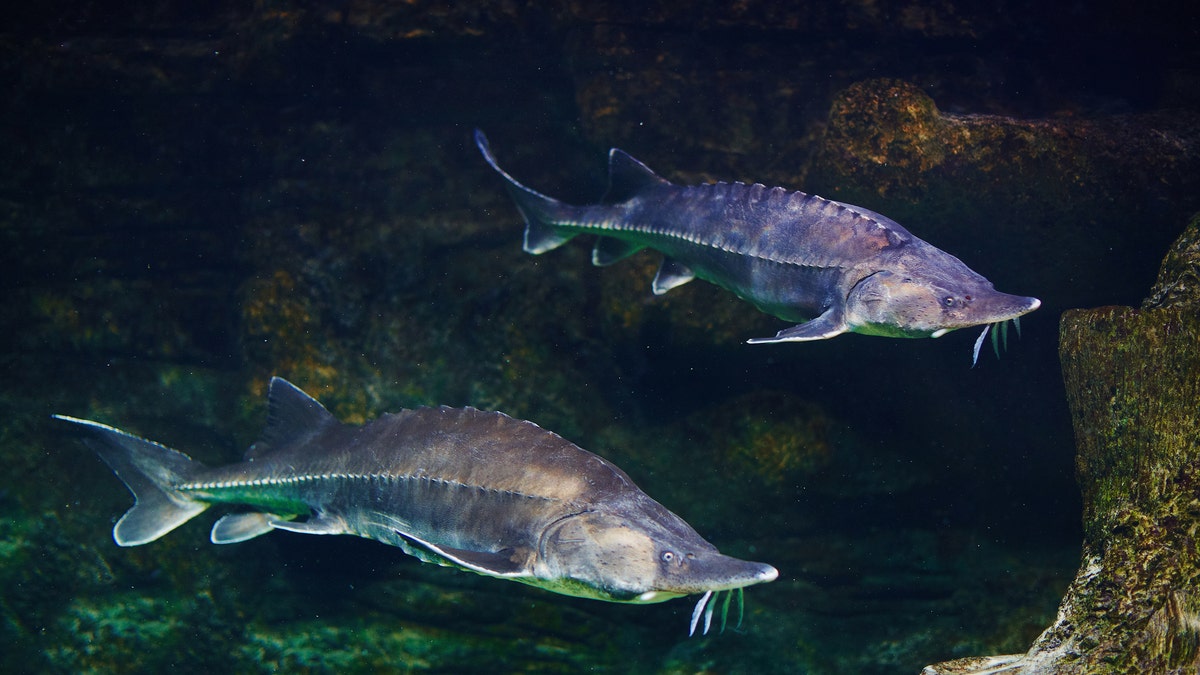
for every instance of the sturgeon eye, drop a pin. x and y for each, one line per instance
(949, 301)
(668, 556)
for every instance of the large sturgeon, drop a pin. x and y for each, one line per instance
(834, 267)
(475, 490)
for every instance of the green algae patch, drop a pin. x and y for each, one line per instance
(137, 633)
(774, 438)
(392, 646)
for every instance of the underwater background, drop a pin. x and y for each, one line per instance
(194, 198)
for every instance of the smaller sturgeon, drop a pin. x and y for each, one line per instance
(464, 488)
(835, 267)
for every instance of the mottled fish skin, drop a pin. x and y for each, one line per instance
(834, 267)
(476, 490)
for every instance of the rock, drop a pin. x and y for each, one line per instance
(1133, 384)
(889, 147)
(1179, 277)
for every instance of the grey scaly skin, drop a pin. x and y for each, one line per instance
(832, 267)
(463, 488)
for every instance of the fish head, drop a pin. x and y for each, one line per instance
(929, 301)
(650, 556)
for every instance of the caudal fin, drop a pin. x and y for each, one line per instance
(539, 211)
(151, 472)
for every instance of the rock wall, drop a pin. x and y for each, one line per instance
(1133, 382)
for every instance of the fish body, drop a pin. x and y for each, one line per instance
(466, 488)
(832, 267)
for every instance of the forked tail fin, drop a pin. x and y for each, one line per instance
(540, 212)
(151, 472)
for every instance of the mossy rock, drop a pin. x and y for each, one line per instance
(1133, 383)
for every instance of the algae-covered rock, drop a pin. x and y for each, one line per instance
(985, 184)
(1133, 383)
(1178, 282)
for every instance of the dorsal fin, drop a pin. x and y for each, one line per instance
(292, 417)
(627, 177)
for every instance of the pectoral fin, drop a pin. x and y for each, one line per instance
(828, 325)
(502, 563)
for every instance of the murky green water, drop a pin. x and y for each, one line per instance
(193, 206)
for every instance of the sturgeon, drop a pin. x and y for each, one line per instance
(833, 267)
(459, 487)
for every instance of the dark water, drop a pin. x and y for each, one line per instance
(195, 200)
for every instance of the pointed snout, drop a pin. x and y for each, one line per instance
(761, 574)
(996, 307)
(718, 572)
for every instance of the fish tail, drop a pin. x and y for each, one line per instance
(540, 212)
(151, 472)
